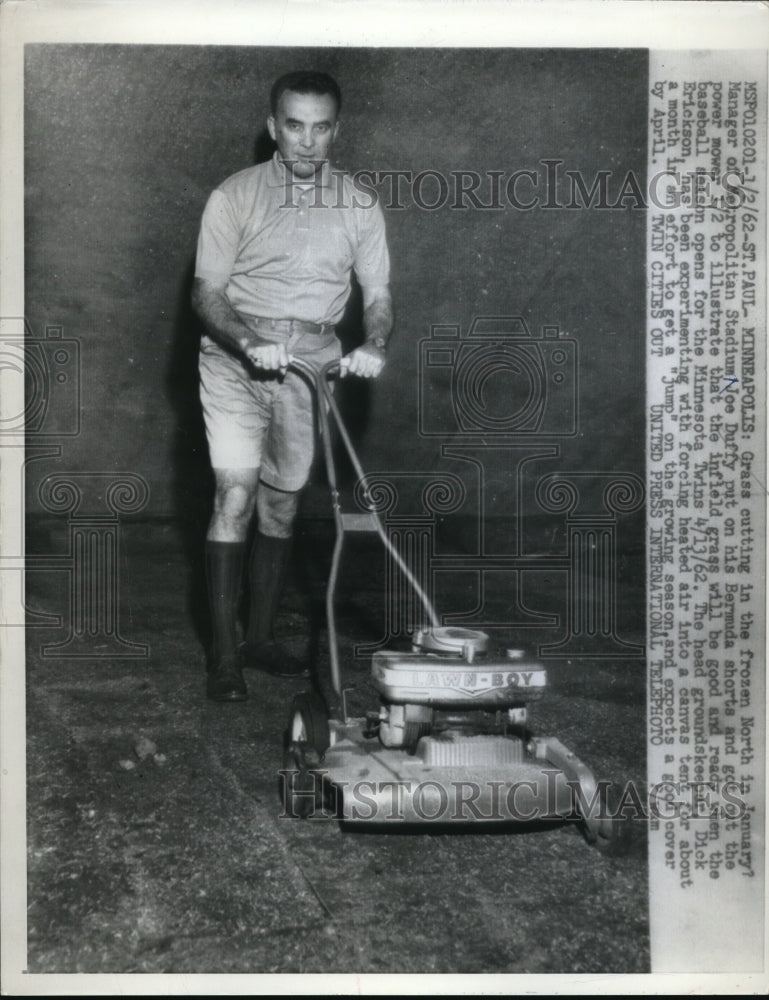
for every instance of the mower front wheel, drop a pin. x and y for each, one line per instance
(610, 832)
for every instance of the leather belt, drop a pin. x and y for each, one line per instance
(294, 325)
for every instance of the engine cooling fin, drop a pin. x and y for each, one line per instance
(469, 751)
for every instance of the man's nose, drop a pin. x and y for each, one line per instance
(306, 139)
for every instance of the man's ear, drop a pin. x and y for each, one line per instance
(271, 127)
(336, 131)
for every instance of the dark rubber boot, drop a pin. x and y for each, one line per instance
(268, 565)
(224, 568)
(225, 681)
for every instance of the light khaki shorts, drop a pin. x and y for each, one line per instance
(257, 420)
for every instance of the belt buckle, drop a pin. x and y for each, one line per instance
(303, 326)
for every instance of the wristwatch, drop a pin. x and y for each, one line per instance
(379, 342)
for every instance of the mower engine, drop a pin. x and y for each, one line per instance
(440, 698)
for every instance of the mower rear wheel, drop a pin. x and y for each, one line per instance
(307, 739)
(308, 722)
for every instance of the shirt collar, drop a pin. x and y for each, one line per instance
(279, 175)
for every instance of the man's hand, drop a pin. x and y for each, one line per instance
(366, 361)
(268, 357)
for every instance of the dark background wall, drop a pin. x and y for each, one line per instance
(124, 144)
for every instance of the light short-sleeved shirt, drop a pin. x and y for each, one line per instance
(286, 250)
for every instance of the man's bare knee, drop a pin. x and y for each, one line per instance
(277, 511)
(233, 504)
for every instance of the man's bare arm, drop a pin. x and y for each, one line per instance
(224, 325)
(368, 359)
(378, 315)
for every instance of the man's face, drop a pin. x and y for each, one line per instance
(304, 127)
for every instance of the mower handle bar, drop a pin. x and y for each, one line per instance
(319, 379)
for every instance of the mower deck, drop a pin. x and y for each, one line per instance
(477, 779)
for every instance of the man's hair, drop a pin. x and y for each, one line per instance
(305, 82)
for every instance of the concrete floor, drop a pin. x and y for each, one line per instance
(155, 841)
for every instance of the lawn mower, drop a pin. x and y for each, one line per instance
(448, 742)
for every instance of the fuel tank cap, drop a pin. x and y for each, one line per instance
(451, 639)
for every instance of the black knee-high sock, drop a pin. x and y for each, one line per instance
(224, 569)
(267, 573)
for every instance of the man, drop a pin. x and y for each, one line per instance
(277, 246)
